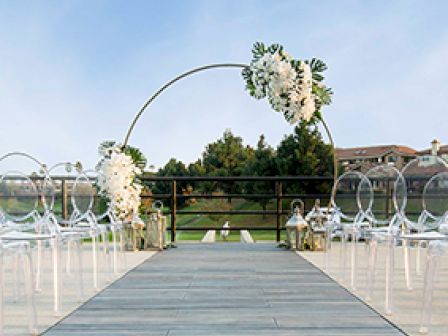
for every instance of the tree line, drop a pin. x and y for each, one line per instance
(301, 153)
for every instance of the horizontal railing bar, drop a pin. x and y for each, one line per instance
(257, 196)
(272, 196)
(266, 178)
(259, 212)
(236, 178)
(224, 178)
(206, 228)
(229, 212)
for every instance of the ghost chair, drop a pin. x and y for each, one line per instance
(385, 216)
(417, 173)
(23, 195)
(346, 220)
(103, 215)
(75, 217)
(21, 211)
(434, 232)
(19, 250)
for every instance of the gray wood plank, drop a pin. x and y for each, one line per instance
(225, 289)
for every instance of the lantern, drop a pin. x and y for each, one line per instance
(156, 228)
(296, 226)
(317, 231)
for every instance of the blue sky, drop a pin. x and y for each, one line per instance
(74, 73)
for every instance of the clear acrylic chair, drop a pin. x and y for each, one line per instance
(44, 231)
(20, 216)
(385, 216)
(21, 250)
(102, 213)
(435, 207)
(75, 221)
(346, 220)
(417, 173)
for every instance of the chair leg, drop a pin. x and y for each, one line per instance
(102, 247)
(327, 250)
(373, 249)
(428, 288)
(343, 255)
(115, 257)
(69, 257)
(353, 260)
(105, 243)
(56, 278)
(123, 262)
(80, 270)
(418, 259)
(407, 271)
(390, 266)
(29, 287)
(16, 277)
(2, 310)
(38, 265)
(95, 262)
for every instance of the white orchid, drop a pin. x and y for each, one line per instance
(118, 181)
(287, 83)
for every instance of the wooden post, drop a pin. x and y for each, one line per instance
(64, 199)
(173, 210)
(278, 191)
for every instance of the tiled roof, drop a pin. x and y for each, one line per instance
(442, 150)
(373, 151)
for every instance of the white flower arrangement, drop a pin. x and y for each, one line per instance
(293, 87)
(118, 182)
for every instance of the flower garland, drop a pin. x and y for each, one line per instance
(293, 87)
(118, 182)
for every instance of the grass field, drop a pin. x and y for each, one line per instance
(217, 221)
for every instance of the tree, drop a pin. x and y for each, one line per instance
(197, 169)
(262, 163)
(305, 153)
(226, 157)
(172, 168)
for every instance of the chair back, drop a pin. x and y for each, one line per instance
(23, 187)
(75, 187)
(387, 187)
(346, 200)
(417, 173)
(435, 202)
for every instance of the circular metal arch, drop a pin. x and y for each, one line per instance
(209, 67)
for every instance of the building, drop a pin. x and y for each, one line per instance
(436, 149)
(364, 158)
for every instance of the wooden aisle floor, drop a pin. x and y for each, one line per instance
(225, 289)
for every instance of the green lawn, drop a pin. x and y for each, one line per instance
(217, 221)
(259, 235)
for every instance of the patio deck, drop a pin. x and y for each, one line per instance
(225, 289)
